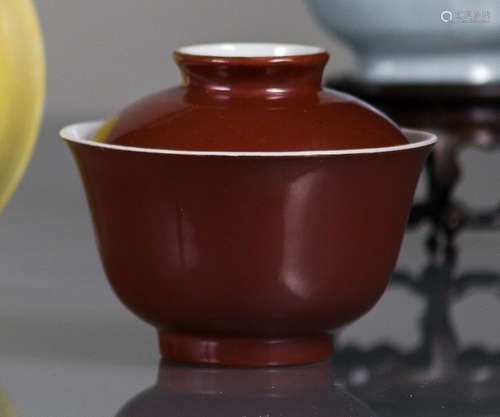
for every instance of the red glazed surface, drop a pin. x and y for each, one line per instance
(248, 260)
(252, 104)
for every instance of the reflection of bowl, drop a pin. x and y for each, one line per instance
(215, 391)
(248, 258)
(454, 41)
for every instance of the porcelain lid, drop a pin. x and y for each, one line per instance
(251, 97)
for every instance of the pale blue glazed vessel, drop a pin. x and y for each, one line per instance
(401, 41)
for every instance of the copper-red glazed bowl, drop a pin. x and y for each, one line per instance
(248, 258)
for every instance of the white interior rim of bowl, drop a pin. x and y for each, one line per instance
(249, 50)
(83, 132)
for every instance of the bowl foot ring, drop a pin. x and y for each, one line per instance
(241, 351)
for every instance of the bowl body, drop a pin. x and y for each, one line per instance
(453, 41)
(248, 258)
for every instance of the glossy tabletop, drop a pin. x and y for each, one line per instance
(68, 348)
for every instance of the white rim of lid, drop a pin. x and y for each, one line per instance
(250, 50)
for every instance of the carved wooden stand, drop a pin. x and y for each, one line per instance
(462, 116)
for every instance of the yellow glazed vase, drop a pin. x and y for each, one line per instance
(22, 88)
(6, 408)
